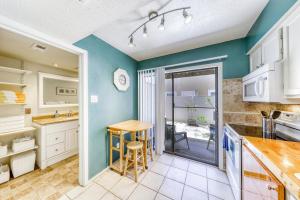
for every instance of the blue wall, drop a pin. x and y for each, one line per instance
(236, 65)
(113, 105)
(274, 10)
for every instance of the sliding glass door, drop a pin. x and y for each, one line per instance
(191, 114)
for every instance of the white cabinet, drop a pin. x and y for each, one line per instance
(272, 48)
(57, 142)
(268, 52)
(292, 57)
(256, 59)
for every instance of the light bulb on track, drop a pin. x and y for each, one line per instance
(161, 26)
(187, 17)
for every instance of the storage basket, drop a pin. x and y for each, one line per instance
(4, 173)
(22, 163)
(23, 144)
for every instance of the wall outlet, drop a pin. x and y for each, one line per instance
(94, 99)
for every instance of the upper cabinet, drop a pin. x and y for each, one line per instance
(268, 52)
(278, 50)
(292, 57)
(272, 48)
(256, 59)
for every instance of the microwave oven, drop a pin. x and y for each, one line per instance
(264, 84)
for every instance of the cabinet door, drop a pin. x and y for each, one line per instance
(292, 58)
(258, 181)
(272, 48)
(256, 59)
(71, 139)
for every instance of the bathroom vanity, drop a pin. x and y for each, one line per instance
(57, 138)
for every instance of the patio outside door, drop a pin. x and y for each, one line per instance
(191, 114)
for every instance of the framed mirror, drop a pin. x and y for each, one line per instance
(57, 91)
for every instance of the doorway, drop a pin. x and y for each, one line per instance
(191, 112)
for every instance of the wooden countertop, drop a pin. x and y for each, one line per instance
(282, 158)
(49, 119)
(131, 126)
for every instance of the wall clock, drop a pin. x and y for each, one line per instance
(121, 79)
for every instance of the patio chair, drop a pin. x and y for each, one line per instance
(178, 136)
(212, 134)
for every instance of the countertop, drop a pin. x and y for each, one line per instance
(49, 119)
(282, 158)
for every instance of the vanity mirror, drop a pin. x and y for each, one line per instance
(57, 91)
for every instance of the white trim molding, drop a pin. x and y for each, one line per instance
(26, 31)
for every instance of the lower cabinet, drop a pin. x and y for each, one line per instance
(56, 142)
(258, 182)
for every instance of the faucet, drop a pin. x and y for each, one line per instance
(56, 114)
(70, 113)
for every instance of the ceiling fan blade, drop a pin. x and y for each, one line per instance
(135, 16)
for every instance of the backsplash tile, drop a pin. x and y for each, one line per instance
(238, 112)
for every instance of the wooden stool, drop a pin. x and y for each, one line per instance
(135, 148)
(148, 145)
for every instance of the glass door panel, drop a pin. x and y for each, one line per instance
(194, 112)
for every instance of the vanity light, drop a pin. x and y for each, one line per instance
(187, 17)
(131, 44)
(145, 32)
(161, 26)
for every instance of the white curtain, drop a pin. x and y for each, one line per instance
(151, 101)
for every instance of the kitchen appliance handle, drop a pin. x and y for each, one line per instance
(256, 88)
(262, 90)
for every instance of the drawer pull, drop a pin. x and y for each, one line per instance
(56, 149)
(271, 187)
(56, 138)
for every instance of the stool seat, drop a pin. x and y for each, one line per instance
(134, 145)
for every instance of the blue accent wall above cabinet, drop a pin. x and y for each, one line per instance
(274, 10)
(113, 105)
(235, 66)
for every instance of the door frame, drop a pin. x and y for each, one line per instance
(26, 31)
(219, 67)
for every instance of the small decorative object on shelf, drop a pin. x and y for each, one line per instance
(121, 79)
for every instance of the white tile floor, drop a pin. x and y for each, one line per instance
(169, 177)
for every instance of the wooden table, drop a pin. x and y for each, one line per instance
(122, 128)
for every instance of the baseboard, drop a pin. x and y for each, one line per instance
(99, 174)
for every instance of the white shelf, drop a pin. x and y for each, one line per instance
(23, 130)
(13, 84)
(8, 104)
(14, 70)
(11, 153)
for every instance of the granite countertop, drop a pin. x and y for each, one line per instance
(282, 158)
(50, 119)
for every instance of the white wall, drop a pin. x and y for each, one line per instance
(31, 91)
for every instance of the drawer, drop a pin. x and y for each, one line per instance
(55, 150)
(56, 138)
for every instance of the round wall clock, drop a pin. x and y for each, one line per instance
(121, 79)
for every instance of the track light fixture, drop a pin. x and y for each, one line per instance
(187, 17)
(153, 15)
(161, 26)
(131, 44)
(145, 32)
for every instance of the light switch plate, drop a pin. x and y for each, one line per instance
(94, 99)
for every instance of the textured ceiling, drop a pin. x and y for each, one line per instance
(214, 21)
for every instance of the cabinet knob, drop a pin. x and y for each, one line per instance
(56, 138)
(270, 187)
(56, 149)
